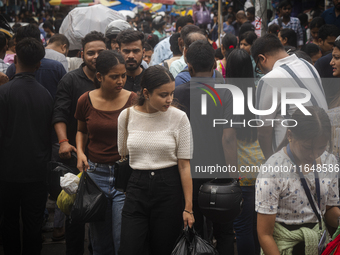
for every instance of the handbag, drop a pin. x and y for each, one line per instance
(123, 171)
(91, 202)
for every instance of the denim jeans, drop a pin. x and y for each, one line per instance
(245, 224)
(105, 236)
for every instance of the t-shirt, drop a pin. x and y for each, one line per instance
(133, 84)
(177, 66)
(101, 129)
(208, 149)
(25, 129)
(283, 194)
(57, 56)
(161, 52)
(287, 72)
(49, 74)
(70, 88)
(155, 140)
(330, 17)
(248, 155)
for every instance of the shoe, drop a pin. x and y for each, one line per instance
(58, 234)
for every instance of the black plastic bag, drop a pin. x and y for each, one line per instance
(56, 170)
(182, 244)
(199, 246)
(190, 243)
(90, 204)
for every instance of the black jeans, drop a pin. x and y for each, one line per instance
(30, 198)
(152, 214)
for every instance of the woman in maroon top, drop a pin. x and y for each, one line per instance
(97, 113)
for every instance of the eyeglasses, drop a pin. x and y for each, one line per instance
(257, 69)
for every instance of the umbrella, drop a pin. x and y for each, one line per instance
(178, 2)
(69, 2)
(156, 7)
(126, 14)
(82, 20)
(124, 5)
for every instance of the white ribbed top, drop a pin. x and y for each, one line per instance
(155, 140)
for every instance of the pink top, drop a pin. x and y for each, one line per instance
(9, 59)
(221, 68)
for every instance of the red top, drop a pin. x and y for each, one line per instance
(214, 45)
(101, 129)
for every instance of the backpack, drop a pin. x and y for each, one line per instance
(202, 16)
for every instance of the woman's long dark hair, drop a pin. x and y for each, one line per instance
(309, 127)
(153, 77)
(229, 43)
(240, 73)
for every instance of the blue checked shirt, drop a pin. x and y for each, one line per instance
(294, 24)
(3, 66)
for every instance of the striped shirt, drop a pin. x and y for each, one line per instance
(294, 24)
(288, 72)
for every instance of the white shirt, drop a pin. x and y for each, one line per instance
(283, 194)
(155, 140)
(288, 72)
(177, 66)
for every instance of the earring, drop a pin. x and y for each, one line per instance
(148, 99)
(289, 140)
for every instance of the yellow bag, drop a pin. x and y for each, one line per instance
(65, 201)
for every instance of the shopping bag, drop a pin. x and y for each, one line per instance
(190, 243)
(65, 201)
(90, 204)
(182, 244)
(199, 246)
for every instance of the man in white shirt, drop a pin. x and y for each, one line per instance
(282, 71)
(57, 49)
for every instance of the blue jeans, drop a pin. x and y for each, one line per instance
(105, 236)
(245, 224)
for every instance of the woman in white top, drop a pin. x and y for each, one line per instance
(287, 223)
(159, 147)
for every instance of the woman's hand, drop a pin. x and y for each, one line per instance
(188, 219)
(82, 163)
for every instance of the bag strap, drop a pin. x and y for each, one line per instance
(305, 187)
(126, 133)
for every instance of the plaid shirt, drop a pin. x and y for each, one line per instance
(294, 24)
(3, 66)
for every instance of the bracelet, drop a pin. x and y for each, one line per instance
(189, 212)
(63, 140)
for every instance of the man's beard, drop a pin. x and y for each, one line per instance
(89, 66)
(287, 16)
(133, 68)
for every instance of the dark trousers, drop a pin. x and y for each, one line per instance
(223, 233)
(152, 214)
(30, 200)
(245, 224)
(74, 236)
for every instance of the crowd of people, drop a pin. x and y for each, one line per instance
(133, 85)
